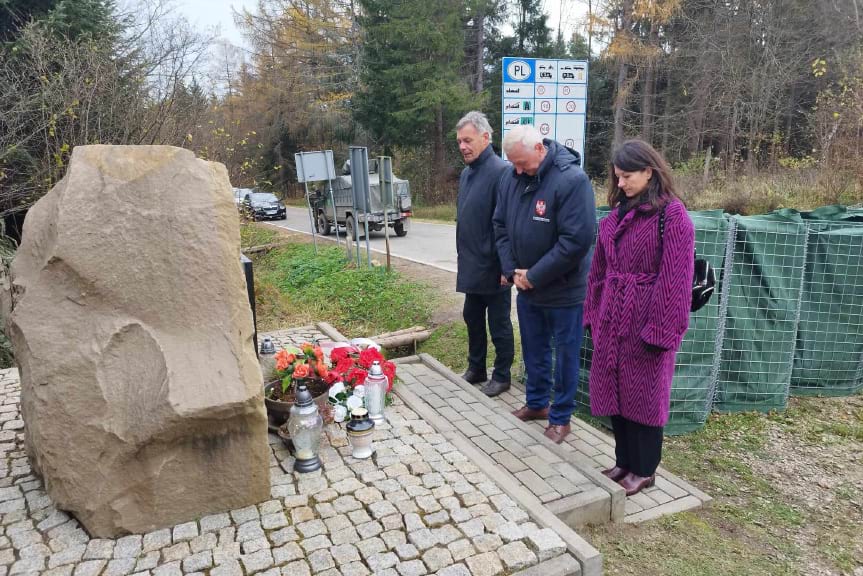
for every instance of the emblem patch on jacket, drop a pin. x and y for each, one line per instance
(540, 207)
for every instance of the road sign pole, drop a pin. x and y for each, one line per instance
(335, 215)
(311, 219)
(385, 172)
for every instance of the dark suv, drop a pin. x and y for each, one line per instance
(264, 206)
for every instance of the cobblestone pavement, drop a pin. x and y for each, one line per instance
(419, 506)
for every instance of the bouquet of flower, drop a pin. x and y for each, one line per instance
(304, 363)
(351, 367)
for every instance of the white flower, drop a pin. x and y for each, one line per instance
(354, 402)
(339, 413)
(337, 389)
(360, 391)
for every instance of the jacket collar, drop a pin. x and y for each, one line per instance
(640, 210)
(484, 155)
(548, 161)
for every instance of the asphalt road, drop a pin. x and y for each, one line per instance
(425, 243)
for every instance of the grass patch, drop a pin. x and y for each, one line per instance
(685, 544)
(254, 235)
(448, 343)
(444, 213)
(818, 424)
(297, 201)
(294, 286)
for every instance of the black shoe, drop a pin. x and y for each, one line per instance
(494, 387)
(474, 376)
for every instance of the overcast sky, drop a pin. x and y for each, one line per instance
(208, 15)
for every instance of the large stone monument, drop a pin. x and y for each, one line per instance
(140, 390)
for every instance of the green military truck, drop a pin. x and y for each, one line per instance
(326, 217)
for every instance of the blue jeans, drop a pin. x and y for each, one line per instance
(540, 329)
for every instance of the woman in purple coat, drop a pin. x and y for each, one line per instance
(637, 308)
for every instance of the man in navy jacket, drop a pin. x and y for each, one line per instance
(479, 277)
(544, 228)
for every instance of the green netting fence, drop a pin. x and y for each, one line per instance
(828, 356)
(787, 317)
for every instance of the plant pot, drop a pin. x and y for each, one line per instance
(279, 409)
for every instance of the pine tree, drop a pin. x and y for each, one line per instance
(411, 87)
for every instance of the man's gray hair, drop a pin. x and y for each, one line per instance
(479, 121)
(526, 135)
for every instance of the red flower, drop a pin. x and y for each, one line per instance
(332, 377)
(344, 365)
(369, 355)
(389, 370)
(356, 376)
(338, 354)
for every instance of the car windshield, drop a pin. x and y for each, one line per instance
(261, 197)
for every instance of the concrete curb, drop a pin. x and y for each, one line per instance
(560, 566)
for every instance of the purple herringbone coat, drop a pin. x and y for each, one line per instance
(637, 309)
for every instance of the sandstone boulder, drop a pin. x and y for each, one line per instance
(140, 391)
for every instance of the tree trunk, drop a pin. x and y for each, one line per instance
(648, 94)
(732, 138)
(438, 155)
(480, 44)
(696, 120)
(666, 120)
(789, 119)
(622, 73)
(752, 147)
(619, 103)
(705, 175)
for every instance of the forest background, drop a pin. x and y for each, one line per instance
(758, 104)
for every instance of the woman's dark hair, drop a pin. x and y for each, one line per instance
(634, 156)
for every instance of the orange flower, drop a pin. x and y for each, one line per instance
(301, 371)
(283, 359)
(318, 352)
(321, 369)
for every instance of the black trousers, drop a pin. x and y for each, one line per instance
(497, 306)
(637, 448)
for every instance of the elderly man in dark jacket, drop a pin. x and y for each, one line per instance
(544, 227)
(479, 276)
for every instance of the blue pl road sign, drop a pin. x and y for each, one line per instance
(549, 94)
